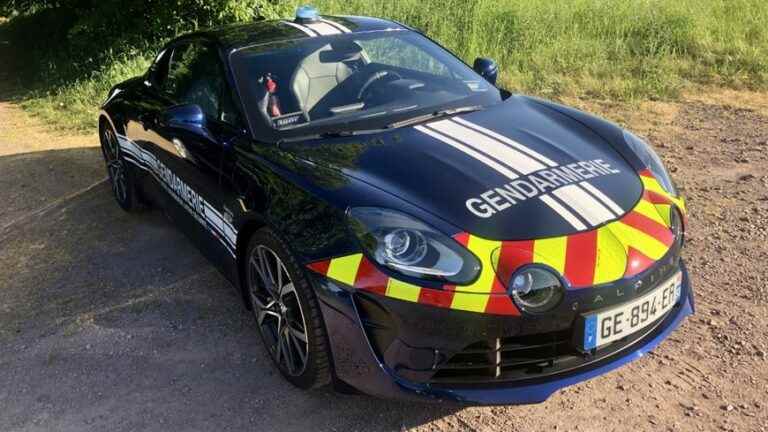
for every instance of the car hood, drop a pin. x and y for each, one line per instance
(517, 170)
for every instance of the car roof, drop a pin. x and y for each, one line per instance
(236, 36)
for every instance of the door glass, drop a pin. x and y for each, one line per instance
(178, 71)
(196, 77)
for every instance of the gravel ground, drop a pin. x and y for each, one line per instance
(111, 321)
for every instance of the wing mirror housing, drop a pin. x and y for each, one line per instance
(189, 118)
(487, 68)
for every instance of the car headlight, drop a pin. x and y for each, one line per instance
(676, 225)
(536, 289)
(410, 247)
(651, 160)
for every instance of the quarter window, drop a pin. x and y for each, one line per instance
(158, 72)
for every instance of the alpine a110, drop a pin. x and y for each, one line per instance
(397, 223)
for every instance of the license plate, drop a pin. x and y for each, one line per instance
(616, 323)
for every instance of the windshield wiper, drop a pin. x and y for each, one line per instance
(339, 133)
(434, 115)
(330, 134)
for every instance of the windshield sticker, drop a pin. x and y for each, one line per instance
(288, 120)
(475, 86)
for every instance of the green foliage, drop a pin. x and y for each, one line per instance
(622, 49)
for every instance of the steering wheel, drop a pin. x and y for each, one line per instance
(376, 77)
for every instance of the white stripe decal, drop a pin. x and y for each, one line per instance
(461, 147)
(147, 157)
(617, 211)
(584, 204)
(513, 158)
(343, 29)
(309, 32)
(210, 217)
(215, 219)
(562, 211)
(323, 28)
(540, 157)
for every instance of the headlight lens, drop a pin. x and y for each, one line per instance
(651, 160)
(536, 290)
(676, 225)
(408, 246)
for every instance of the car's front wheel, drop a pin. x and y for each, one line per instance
(287, 312)
(121, 177)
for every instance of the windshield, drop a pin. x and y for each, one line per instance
(352, 82)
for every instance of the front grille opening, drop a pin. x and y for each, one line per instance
(521, 358)
(503, 359)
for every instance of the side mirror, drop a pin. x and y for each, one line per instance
(190, 118)
(487, 69)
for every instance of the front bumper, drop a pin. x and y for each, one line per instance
(402, 357)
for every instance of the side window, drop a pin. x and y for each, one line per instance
(196, 76)
(178, 71)
(158, 72)
(395, 52)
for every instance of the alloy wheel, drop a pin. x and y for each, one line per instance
(278, 310)
(115, 165)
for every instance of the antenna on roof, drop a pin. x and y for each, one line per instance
(307, 14)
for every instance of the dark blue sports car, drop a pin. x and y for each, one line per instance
(397, 223)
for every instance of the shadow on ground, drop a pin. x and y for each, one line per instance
(111, 321)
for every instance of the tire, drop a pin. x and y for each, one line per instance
(120, 172)
(274, 305)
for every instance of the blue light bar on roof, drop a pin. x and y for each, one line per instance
(307, 14)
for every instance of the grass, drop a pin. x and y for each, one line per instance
(74, 106)
(629, 50)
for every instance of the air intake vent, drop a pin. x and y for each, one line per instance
(504, 359)
(527, 357)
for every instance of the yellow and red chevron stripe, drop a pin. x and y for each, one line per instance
(486, 295)
(622, 248)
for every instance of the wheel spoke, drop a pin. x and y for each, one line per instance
(264, 313)
(255, 267)
(258, 266)
(278, 349)
(266, 271)
(279, 281)
(291, 361)
(301, 350)
(120, 182)
(262, 266)
(296, 333)
(111, 145)
(287, 289)
(269, 271)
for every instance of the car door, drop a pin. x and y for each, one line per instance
(188, 162)
(141, 138)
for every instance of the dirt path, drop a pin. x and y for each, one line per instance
(114, 322)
